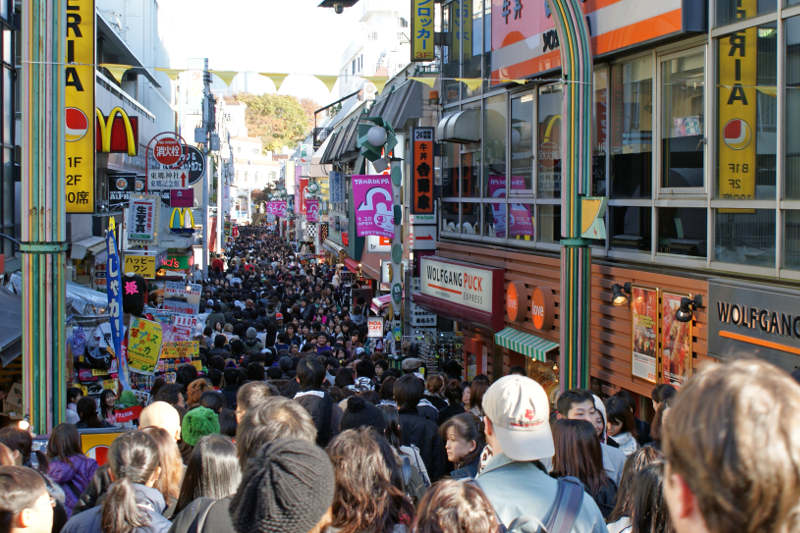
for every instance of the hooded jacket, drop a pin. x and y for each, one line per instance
(423, 433)
(147, 498)
(73, 476)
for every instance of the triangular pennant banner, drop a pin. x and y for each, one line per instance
(116, 70)
(471, 83)
(225, 75)
(276, 78)
(172, 73)
(329, 81)
(427, 80)
(378, 81)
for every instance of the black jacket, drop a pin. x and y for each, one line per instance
(424, 434)
(326, 414)
(216, 520)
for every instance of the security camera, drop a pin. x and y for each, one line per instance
(338, 9)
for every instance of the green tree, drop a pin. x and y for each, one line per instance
(278, 120)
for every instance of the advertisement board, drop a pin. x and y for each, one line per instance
(644, 309)
(372, 198)
(144, 345)
(375, 327)
(422, 30)
(676, 342)
(140, 264)
(456, 283)
(79, 88)
(422, 174)
(141, 219)
(117, 133)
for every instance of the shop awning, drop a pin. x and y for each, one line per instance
(400, 105)
(525, 343)
(89, 245)
(352, 265)
(332, 246)
(379, 303)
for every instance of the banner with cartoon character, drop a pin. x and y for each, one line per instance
(372, 198)
(312, 210)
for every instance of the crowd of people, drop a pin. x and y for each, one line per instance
(298, 425)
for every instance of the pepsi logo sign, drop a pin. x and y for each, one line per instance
(76, 124)
(737, 134)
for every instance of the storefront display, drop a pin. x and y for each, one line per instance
(644, 311)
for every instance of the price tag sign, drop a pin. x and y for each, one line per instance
(143, 265)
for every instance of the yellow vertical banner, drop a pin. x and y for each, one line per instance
(737, 110)
(422, 30)
(79, 106)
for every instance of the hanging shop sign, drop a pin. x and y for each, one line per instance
(463, 290)
(194, 162)
(122, 186)
(138, 263)
(422, 176)
(312, 210)
(738, 61)
(644, 307)
(79, 131)
(144, 345)
(300, 197)
(754, 320)
(117, 133)
(181, 198)
(542, 308)
(525, 41)
(676, 341)
(277, 208)
(141, 219)
(181, 220)
(164, 163)
(337, 194)
(377, 244)
(422, 30)
(375, 327)
(516, 301)
(176, 262)
(372, 198)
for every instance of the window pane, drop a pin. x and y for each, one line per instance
(683, 146)
(471, 219)
(600, 132)
(793, 107)
(470, 173)
(747, 110)
(522, 144)
(630, 227)
(729, 11)
(549, 136)
(450, 220)
(450, 57)
(792, 2)
(632, 128)
(682, 230)
(450, 158)
(520, 221)
(745, 236)
(7, 40)
(494, 138)
(549, 223)
(792, 239)
(494, 220)
(8, 109)
(471, 18)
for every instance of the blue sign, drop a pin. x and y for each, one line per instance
(114, 291)
(336, 187)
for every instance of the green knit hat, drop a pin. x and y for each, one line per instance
(197, 423)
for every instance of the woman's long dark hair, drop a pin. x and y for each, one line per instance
(133, 458)
(635, 462)
(64, 443)
(366, 500)
(104, 409)
(212, 472)
(578, 453)
(393, 432)
(649, 513)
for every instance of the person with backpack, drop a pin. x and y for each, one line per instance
(67, 465)
(525, 498)
(326, 414)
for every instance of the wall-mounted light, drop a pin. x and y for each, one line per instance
(687, 308)
(620, 294)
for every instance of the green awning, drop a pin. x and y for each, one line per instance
(525, 343)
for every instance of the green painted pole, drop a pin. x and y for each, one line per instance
(43, 207)
(576, 165)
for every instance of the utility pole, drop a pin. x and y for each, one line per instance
(208, 126)
(220, 217)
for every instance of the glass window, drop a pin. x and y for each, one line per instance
(745, 236)
(632, 128)
(450, 56)
(494, 220)
(792, 240)
(471, 219)
(494, 140)
(471, 44)
(682, 131)
(600, 132)
(549, 223)
(630, 227)
(682, 230)
(522, 144)
(793, 107)
(7, 40)
(450, 217)
(8, 108)
(471, 171)
(729, 11)
(549, 138)
(449, 162)
(747, 110)
(521, 221)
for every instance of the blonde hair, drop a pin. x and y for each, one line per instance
(170, 461)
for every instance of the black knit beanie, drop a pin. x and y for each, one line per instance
(359, 413)
(286, 488)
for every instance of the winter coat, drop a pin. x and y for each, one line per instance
(73, 476)
(213, 516)
(326, 414)
(424, 434)
(469, 468)
(147, 498)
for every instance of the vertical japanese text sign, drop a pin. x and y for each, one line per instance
(422, 30)
(114, 291)
(738, 57)
(79, 106)
(423, 172)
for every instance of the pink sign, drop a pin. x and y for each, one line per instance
(520, 220)
(372, 197)
(181, 198)
(312, 209)
(277, 208)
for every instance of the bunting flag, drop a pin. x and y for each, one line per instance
(116, 70)
(378, 81)
(276, 77)
(225, 75)
(427, 80)
(329, 81)
(172, 73)
(472, 84)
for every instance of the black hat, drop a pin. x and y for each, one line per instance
(360, 413)
(286, 488)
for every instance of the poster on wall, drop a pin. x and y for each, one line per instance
(644, 308)
(676, 342)
(520, 221)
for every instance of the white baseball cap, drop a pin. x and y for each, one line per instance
(520, 413)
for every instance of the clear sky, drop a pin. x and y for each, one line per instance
(293, 36)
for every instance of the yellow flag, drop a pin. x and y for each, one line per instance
(225, 75)
(277, 78)
(172, 73)
(471, 83)
(116, 70)
(329, 81)
(378, 81)
(427, 80)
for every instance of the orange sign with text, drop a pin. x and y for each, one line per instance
(542, 308)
